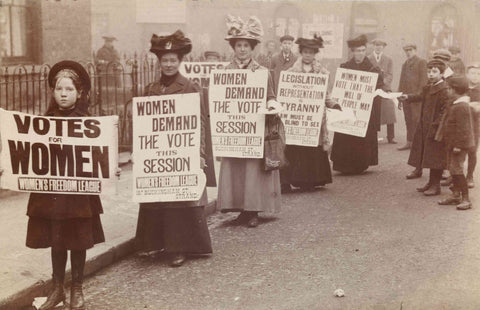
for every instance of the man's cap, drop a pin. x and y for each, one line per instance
(379, 41)
(475, 65)
(409, 46)
(73, 66)
(458, 81)
(442, 54)
(174, 43)
(211, 53)
(287, 37)
(454, 49)
(109, 38)
(357, 41)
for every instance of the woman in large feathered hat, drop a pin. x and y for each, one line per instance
(244, 186)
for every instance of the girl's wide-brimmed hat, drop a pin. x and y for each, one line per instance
(315, 43)
(73, 66)
(174, 43)
(238, 29)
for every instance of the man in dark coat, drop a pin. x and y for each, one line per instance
(412, 80)
(351, 154)
(106, 56)
(283, 60)
(427, 152)
(456, 63)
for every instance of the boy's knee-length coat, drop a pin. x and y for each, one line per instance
(426, 152)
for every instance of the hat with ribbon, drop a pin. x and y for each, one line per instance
(238, 29)
(315, 43)
(72, 66)
(174, 43)
(361, 40)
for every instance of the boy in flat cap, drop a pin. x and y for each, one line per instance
(283, 60)
(351, 154)
(412, 79)
(211, 56)
(427, 152)
(457, 133)
(473, 76)
(388, 112)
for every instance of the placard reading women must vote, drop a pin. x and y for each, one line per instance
(236, 97)
(354, 90)
(57, 155)
(166, 148)
(303, 97)
(199, 72)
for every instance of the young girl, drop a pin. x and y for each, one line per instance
(60, 221)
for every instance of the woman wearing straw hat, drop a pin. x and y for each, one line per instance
(244, 186)
(179, 228)
(309, 166)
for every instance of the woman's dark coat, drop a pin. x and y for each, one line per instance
(351, 154)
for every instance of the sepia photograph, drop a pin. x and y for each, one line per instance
(239, 154)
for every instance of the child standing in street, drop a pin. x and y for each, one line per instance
(457, 132)
(426, 152)
(63, 221)
(473, 76)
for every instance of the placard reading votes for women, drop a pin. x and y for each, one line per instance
(57, 155)
(166, 148)
(236, 97)
(199, 72)
(354, 90)
(303, 98)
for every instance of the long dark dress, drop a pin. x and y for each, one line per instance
(175, 226)
(351, 154)
(64, 221)
(308, 166)
(244, 185)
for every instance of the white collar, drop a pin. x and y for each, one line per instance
(448, 72)
(438, 82)
(462, 99)
(378, 56)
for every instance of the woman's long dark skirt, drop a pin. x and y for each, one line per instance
(308, 167)
(174, 229)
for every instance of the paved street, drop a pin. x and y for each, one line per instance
(374, 236)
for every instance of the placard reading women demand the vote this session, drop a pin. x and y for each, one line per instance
(74, 155)
(236, 96)
(303, 98)
(166, 148)
(354, 90)
(199, 72)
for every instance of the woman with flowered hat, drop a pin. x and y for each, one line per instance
(244, 185)
(309, 166)
(178, 228)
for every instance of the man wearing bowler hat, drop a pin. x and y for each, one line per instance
(412, 79)
(283, 60)
(388, 115)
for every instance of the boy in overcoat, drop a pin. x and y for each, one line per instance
(457, 132)
(426, 152)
